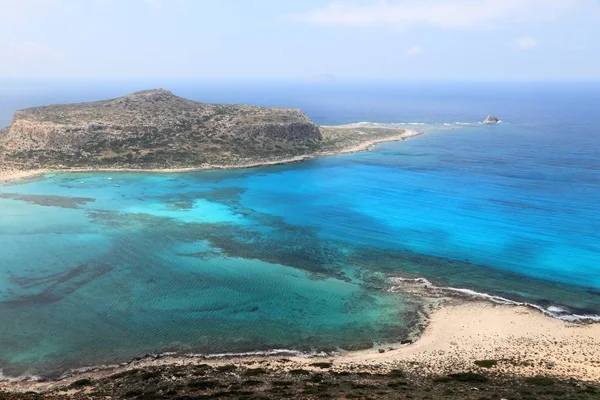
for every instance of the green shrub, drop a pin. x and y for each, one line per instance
(540, 381)
(150, 375)
(80, 383)
(133, 393)
(255, 371)
(252, 382)
(202, 384)
(468, 377)
(282, 383)
(299, 372)
(316, 378)
(486, 363)
(322, 365)
(125, 374)
(397, 373)
(226, 368)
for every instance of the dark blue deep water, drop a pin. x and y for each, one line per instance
(299, 256)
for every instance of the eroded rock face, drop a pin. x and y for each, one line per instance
(491, 119)
(155, 128)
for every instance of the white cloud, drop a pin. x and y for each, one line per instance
(156, 4)
(160, 5)
(443, 13)
(526, 43)
(22, 58)
(415, 50)
(19, 12)
(27, 51)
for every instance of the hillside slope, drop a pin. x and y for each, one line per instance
(154, 129)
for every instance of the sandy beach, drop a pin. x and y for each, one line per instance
(9, 173)
(519, 340)
(514, 340)
(460, 334)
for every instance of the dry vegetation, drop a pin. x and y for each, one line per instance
(278, 379)
(155, 129)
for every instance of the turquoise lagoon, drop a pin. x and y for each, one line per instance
(99, 268)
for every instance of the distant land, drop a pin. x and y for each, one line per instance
(156, 130)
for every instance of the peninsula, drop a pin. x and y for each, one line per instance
(156, 130)
(465, 348)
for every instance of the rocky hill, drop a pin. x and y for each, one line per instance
(155, 128)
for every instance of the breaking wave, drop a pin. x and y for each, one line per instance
(553, 311)
(413, 123)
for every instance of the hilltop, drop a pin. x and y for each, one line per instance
(155, 129)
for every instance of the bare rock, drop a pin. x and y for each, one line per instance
(155, 128)
(491, 119)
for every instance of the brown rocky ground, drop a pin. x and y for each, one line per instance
(155, 129)
(251, 380)
(469, 350)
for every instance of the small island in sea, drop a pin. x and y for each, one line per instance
(491, 120)
(156, 130)
(464, 348)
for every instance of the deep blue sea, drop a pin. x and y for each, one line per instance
(99, 268)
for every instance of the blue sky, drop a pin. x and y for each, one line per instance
(319, 40)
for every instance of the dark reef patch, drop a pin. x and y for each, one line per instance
(49, 201)
(54, 287)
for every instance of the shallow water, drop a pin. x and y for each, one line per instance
(103, 267)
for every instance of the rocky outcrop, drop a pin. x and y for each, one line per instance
(155, 128)
(491, 119)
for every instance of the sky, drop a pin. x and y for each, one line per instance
(313, 40)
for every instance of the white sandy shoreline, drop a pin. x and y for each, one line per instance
(9, 175)
(522, 341)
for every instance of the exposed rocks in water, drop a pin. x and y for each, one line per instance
(491, 119)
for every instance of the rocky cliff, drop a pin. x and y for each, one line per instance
(154, 128)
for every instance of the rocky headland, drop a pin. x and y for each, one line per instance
(468, 350)
(156, 130)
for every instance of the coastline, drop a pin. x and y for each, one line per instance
(520, 340)
(517, 340)
(10, 175)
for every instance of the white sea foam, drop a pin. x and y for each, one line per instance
(411, 123)
(93, 368)
(215, 356)
(19, 378)
(274, 352)
(552, 310)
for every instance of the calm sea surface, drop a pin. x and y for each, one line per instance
(102, 267)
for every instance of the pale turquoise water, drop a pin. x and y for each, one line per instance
(296, 256)
(98, 273)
